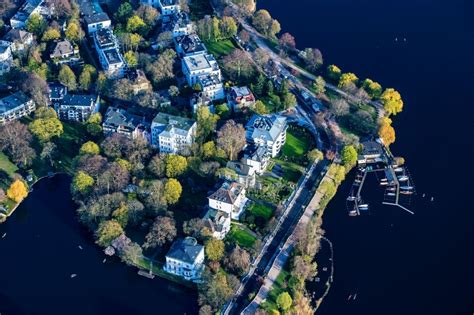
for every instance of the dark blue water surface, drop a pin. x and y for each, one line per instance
(40, 252)
(395, 262)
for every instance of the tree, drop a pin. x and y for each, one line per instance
(135, 24)
(148, 14)
(214, 290)
(244, 36)
(15, 142)
(374, 89)
(172, 191)
(175, 165)
(82, 182)
(48, 151)
(196, 228)
(206, 123)
(247, 7)
(289, 100)
(222, 110)
(386, 131)
(51, 34)
(73, 31)
(287, 42)
(89, 147)
(86, 77)
(263, 23)
(392, 101)
(107, 232)
(124, 12)
(284, 301)
(260, 108)
(313, 58)
(121, 215)
(67, 77)
(46, 124)
(228, 27)
(238, 261)
(208, 149)
(131, 253)
(214, 249)
(315, 155)
(35, 24)
(36, 87)
(334, 73)
(93, 124)
(349, 155)
(238, 64)
(346, 79)
(163, 230)
(157, 166)
(339, 107)
(261, 58)
(162, 69)
(113, 178)
(231, 138)
(319, 85)
(130, 59)
(2, 195)
(98, 210)
(17, 191)
(60, 8)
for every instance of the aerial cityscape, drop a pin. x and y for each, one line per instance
(235, 157)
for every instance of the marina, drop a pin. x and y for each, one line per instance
(390, 173)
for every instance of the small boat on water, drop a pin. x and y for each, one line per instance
(3, 236)
(406, 187)
(103, 261)
(390, 194)
(391, 188)
(355, 296)
(349, 297)
(352, 213)
(402, 178)
(364, 207)
(383, 180)
(80, 247)
(73, 275)
(406, 192)
(383, 183)
(351, 198)
(398, 169)
(432, 198)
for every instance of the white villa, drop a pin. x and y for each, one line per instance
(218, 223)
(109, 54)
(93, 15)
(257, 158)
(15, 106)
(167, 7)
(229, 198)
(172, 134)
(28, 8)
(20, 39)
(185, 259)
(212, 87)
(6, 57)
(198, 65)
(268, 131)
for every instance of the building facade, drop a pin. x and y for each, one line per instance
(185, 259)
(122, 122)
(107, 49)
(173, 134)
(230, 198)
(20, 39)
(15, 106)
(30, 7)
(76, 107)
(268, 131)
(240, 98)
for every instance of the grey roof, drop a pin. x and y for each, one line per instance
(228, 192)
(26, 9)
(92, 12)
(371, 148)
(267, 127)
(185, 250)
(62, 48)
(115, 117)
(97, 18)
(240, 91)
(176, 122)
(240, 168)
(113, 55)
(79, 100)
(214, 219)
(208, 80)
(198, 62)
(190, 44)
(105, 37)
(56, 90)
(256, 153)
(16, 35)
(13, 101)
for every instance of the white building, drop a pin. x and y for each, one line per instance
(256, 157)
(239, 98)
(185, 259)
(93, 15)
(64, 52)
(179, 24)
(15, 106)
(198, 65)
(172, 134)
(218, 222)
(6, 57)
(167, 7)
(20, 39)
(109, 54)
(121, 121)
(77, 107)
(268, 131)
(229, 198)
(28, 8)
(189, 45)
(212, 87)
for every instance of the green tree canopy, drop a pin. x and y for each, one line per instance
(172, 191)
(334, 73)
(51, 34)
(314, 155)
(82, 182)
(346, 79)
(392, 101)
(107, 232)
(135, 24)
(67, 77)
(214, 249)
(89, 147)
(284, 301)
(36, 24)
(46, 125)
(349, 155)
(175, 165)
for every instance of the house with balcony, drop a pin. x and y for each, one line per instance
(244, 174)
(211, 86)
(229, 198)
(93, 16)
(107, 49)
(19, 39)
(267, 131)
(173, 134)
(178, 24)
(76, 107)
(120, 121)
(64, 52)
(185, 259)
(256, 157)
(15, 106)
(167, 7)
(240, 98)
(30, 7)
(189, 45)
(218, 222)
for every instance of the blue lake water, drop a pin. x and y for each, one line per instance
(395, 262)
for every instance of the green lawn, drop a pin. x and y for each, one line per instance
(241, 236)
(220, 48)
(261, 210)
(6, 165)
(69, 142)
(291, 171)
(295, 146)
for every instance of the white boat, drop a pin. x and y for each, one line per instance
(351, 198)
(355, 296)
(390, 194)
(398, 169)
(3, 236)
(352, 213)
(383, 183)
(391, 188)
(364, 207)
(73, 275)
(406, 192)
(406, 187)
(383, 180)
(80, 247)
(402, 178)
